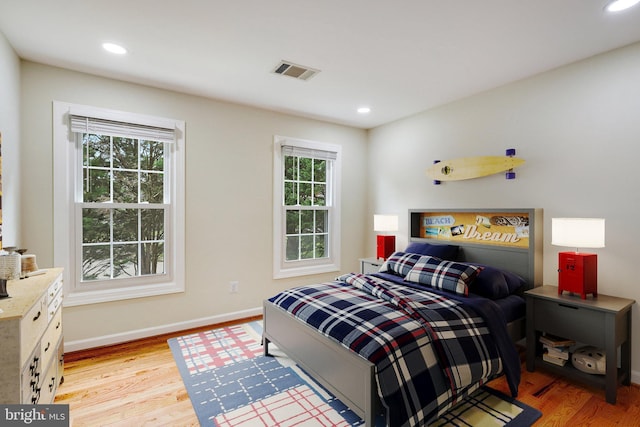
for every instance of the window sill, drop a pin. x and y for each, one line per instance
(117, 294)
(305, 271)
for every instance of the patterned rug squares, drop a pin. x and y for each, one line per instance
(294, 407)
(205, 350)
(231, 384)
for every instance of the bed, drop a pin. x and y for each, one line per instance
(413, 370)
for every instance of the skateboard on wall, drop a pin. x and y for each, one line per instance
(474, 167)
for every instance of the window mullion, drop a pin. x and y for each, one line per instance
(297, 180)
(313, 231)
(140, 243)
(111, 174)
(88, 176)
(168, 173)
(139, 171)
(299, 237)
(111, 249)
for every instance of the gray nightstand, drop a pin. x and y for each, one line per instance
(604, 322)
(370, 265)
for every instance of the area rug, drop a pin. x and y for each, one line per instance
(231, 384)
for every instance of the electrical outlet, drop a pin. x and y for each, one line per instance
(233, 286)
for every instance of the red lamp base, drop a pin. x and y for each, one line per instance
(386, 246)
(578, 273)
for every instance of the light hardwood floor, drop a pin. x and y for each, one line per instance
(138, 383)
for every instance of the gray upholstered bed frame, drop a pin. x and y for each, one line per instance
(350, 377)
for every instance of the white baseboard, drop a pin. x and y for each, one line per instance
(70, 346)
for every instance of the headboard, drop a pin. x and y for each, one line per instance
(510, 239)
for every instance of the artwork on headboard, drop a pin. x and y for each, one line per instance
(506, 228)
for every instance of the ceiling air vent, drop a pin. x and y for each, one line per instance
(290, 69)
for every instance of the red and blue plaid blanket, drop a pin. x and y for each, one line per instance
(430, 351)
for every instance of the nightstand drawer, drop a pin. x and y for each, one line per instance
(370, 265)
(569, 321)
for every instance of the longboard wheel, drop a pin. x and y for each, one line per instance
(511, 152)
(510, 175)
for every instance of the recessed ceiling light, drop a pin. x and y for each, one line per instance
(114, 48)
(618, 5)
(366, 110)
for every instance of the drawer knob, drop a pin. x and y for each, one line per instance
(37, 316)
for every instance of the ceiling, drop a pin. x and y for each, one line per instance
(397, 57)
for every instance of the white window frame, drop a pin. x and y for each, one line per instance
(281, 267)
(66, 210)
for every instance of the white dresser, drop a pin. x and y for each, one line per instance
(31, 342)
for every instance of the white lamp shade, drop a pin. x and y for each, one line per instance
(385, 223)
(577, 232)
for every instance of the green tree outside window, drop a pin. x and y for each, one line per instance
(123, 211)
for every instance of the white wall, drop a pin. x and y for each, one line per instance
(228, 200)
(577, 127)
(10, 129)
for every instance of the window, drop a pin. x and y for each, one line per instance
(306, 212)
(119, 204)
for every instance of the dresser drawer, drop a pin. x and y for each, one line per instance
(31, 378)
(48, 384)
(32, 326)
(569, 321)
(54, 291)
(54, 306)
(50, 339)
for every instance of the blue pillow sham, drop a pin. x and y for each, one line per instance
(446, 275)
(399, 263)
(495, 283)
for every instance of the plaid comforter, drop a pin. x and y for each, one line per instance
(429, 351)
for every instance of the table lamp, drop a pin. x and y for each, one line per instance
(386, 242)
(578, 271)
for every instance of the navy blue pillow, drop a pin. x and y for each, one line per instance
(490, 283)
(448, 252)
(514, 282)
(495, 283)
